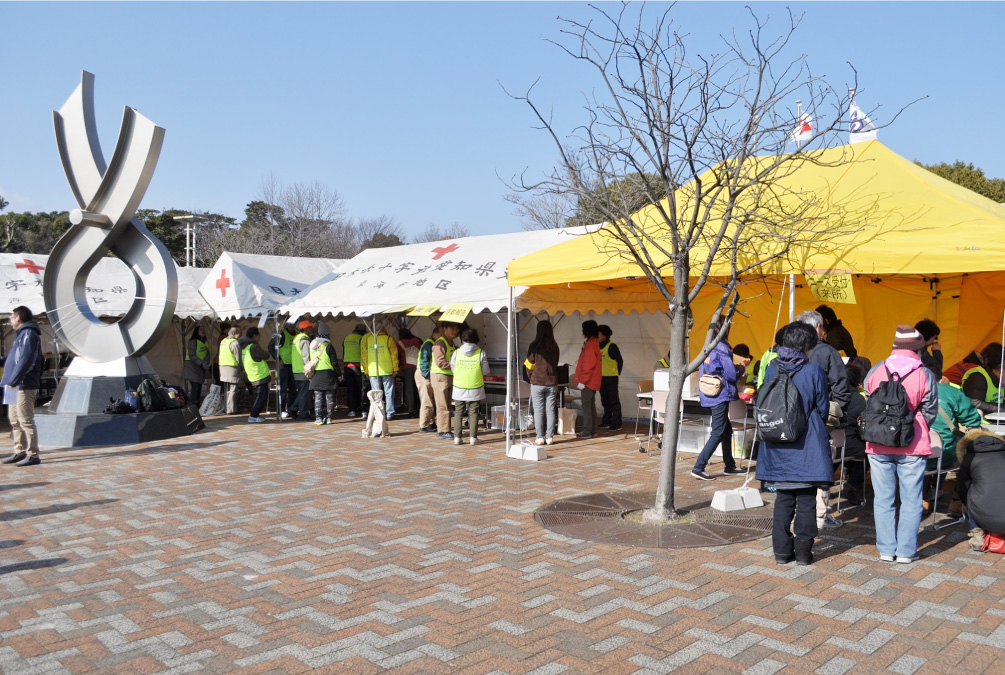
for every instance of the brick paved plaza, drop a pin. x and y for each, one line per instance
(289, 547)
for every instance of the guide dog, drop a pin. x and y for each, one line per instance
(376, 419)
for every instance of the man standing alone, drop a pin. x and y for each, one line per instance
(22, 376)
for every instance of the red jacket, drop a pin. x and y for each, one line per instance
(589, 370)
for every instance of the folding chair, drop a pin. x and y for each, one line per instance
(657, 416)
(740, 421)
(838, 446)
(939, 472)
(645, 386)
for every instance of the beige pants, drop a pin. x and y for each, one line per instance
(231, 397)
(22, 422)
(426, 408)
(823, 502)
(442, 386)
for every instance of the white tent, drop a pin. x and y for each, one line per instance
(470, 270)
(242, 285)
(191, 304)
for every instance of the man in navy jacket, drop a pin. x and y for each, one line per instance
(21, 379)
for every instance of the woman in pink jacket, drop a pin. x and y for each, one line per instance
(897, 539)
(589, 372)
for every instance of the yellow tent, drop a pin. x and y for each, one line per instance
(928, 248)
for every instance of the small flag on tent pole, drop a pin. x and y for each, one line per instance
(803, 130)
(860, 127)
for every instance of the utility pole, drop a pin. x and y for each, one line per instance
(190, 223)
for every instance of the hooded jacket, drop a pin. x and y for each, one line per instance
(829, 359)
(981, 475)
(23, 366)
(326, 380)
(467, 349)
(589, 369)
(922, 395)
(807, 460)
(720, 362)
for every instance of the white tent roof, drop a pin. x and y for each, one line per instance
(242, 284)
(109, 291)
(470, 270)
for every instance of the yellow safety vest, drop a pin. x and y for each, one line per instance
(287, 349)
(201, 350)
(433, 368)
(378, 355)
(468, 371)
(609, 367)
(227, 356)
(768, 357)
(994, 394)
(297, 354)
(350, 348)
(255, 370)
(320, 354)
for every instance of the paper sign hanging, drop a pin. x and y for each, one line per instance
(398, 309)
(456, 312)
(835, 288)
(424, 310)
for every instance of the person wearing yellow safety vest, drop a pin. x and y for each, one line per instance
(198, 364)
(231, 372)
(299, 355)
(255, 362)
(427, 417)
(469, 366)
(442, 377)
(379, 355)
(355, 383)
(611, 365)
(327, 375)
(282, 349)
(982, 383)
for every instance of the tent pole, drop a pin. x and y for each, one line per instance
(509, 369)
(792, 298)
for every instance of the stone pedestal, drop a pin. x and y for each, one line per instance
(76, 418)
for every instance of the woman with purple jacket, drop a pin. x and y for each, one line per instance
(720, 363)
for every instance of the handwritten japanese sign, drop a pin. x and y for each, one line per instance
(424, 310)
(835, 288)
(456, 312)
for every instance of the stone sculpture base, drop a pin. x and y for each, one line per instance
(76, 418)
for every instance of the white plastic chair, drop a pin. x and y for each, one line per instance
(657, 415)
(740, 421)
(645, 386)
(939, 472)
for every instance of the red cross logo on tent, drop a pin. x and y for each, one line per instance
(30, 266)
(442, 251)
(223, 283)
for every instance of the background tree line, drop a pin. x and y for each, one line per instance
(308, 220)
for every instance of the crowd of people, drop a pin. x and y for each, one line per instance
(938, 410)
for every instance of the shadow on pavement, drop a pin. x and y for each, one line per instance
(21, 514)
(18, 486)
(32, 565)
(142, 451)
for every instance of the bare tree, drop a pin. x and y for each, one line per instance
(383, 228)
(433, 233)
(711, 134)
(544, 211)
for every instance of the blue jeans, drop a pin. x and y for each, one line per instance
(897, 537)
(722, 434)
(387, 383)
(543, 398)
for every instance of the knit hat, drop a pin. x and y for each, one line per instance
(908, 338)
(324, 330)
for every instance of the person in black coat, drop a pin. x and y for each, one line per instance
(797, 469)
(854, 446)
(980, 480)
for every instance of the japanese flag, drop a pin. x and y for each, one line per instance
(860, 127)
(804, 128)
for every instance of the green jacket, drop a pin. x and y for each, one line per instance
(958, 407)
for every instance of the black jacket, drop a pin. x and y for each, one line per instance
(23, 366)
(828, 358)
(982, 474)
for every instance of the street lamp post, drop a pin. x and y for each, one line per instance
(190, 222)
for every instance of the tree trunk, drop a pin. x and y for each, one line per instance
(664, 509)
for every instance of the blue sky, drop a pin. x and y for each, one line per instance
(399, 107)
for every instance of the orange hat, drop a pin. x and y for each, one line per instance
(305, 324)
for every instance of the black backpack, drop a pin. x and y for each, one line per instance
(778, 412)
(888, 418)
(149, 399)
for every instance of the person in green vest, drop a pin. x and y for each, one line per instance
(198, 364)
(611, 365)
(231, 372)
(354, 380)
(762, 366)
(299, 355)
(469, 366)
(427, 417)
(255, 362)
(327, 375)
(442, 377)
(284, 365)
(982, 383)
(379, 355)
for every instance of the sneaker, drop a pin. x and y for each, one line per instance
(255, 420)
(473, 440)
(538, 441)
(907, 561)
(851, 497)
(285, 415)
(829, 523)
(585, 435)
(735, 471)
(446, 436)
(614, 427)
(701, 475)
(431, 429)
(888, 558)
(353, 413)
(327, 420)
(457, 441)
(549, 441)
(319, 421)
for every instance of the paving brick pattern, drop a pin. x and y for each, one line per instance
(289, 547)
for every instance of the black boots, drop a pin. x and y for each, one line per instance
(804, 551)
